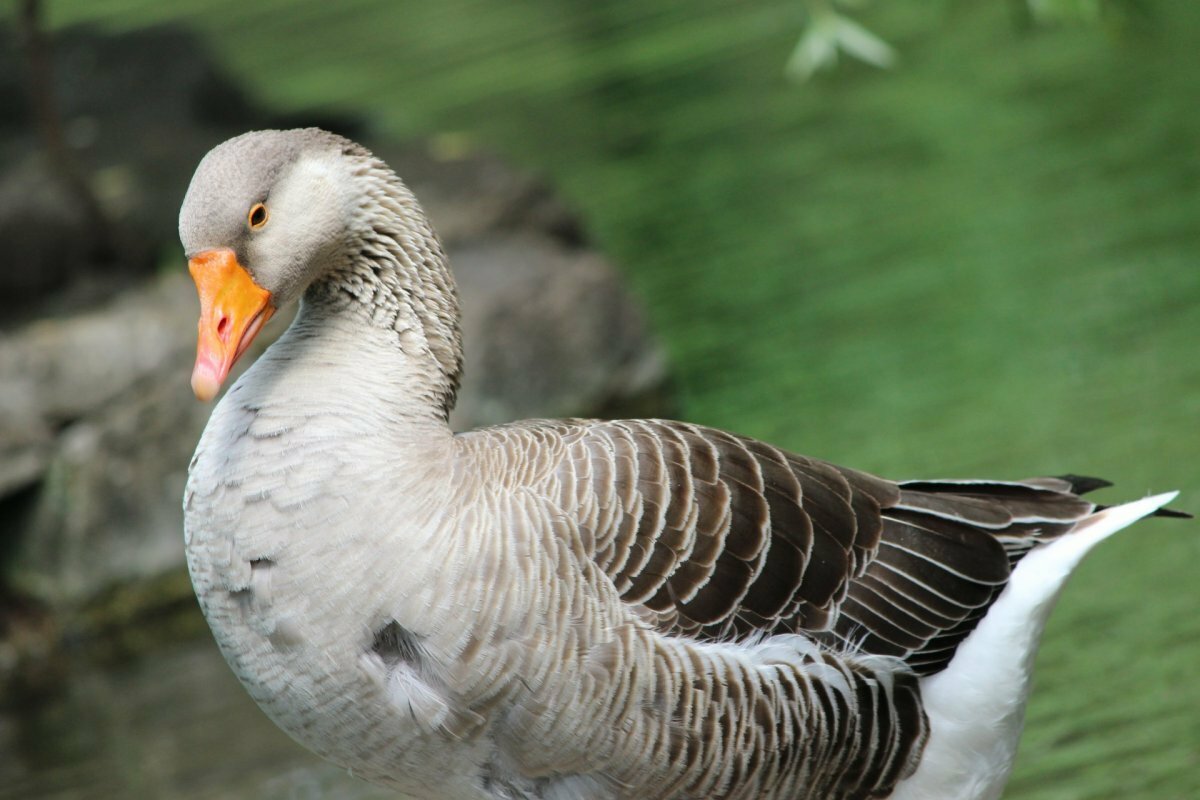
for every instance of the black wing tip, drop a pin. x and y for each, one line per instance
(1158, 512)
(1082, 484)
(1170, 512)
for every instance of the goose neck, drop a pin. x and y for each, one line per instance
(393, 284)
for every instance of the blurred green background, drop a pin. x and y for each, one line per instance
(985, 261)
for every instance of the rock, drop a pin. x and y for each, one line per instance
(469, 194)
(61, 369)
(102, 401)
(108, 507)
(550, 331)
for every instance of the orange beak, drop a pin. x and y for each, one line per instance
(233, 309)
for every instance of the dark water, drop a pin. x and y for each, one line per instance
(984, 261)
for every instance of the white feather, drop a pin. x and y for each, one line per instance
(976, 706)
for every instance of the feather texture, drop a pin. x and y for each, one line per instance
(721, 537)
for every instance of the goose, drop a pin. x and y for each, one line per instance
(572, 608)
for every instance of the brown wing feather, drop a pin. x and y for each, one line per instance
(721, 537)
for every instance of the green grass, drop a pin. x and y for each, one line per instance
(983, 262)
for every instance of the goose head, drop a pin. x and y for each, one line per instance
(271, 216)
(266, 213)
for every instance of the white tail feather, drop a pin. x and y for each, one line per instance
(976, 706)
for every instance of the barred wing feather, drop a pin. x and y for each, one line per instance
(722, 537)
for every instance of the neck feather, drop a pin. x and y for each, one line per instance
(394, 276)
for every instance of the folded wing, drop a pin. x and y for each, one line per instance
(721, 537)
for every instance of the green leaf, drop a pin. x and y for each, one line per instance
(829, 32)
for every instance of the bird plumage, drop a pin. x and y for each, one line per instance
(573, 608)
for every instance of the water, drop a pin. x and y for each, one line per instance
(984, 262)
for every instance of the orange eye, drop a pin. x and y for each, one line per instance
(258, 216)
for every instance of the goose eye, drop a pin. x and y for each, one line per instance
(258, 216)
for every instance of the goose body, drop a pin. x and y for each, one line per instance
(574, 608)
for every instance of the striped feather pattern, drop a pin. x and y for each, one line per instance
(722, 537)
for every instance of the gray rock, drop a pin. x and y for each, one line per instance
(96, 408)
(473, 194)
(551, 332)
(61, 369)
(108, 507)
